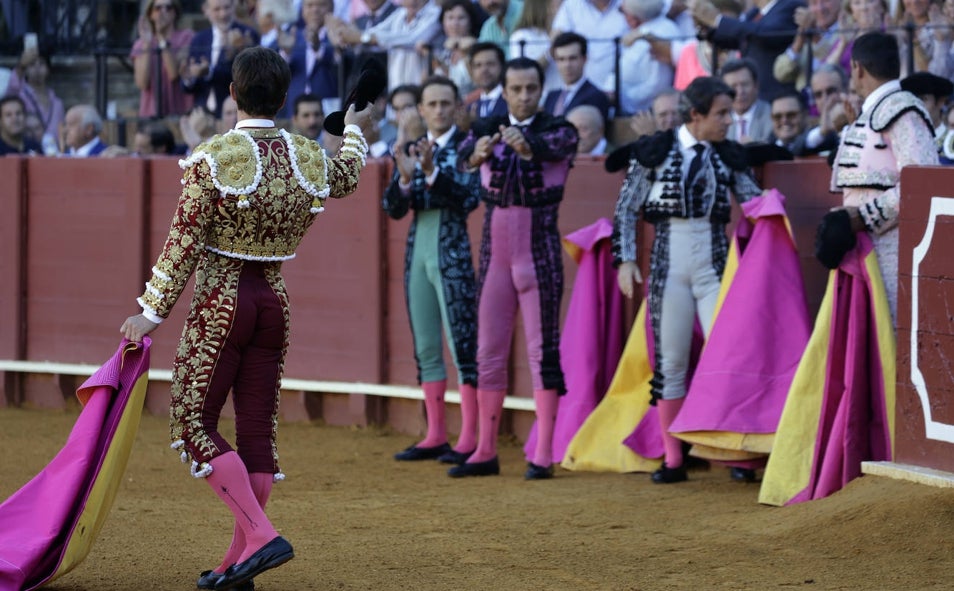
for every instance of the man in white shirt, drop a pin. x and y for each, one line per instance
(81, 128)
(643, 76)
(600, 21)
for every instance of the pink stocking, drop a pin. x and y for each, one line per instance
(489, 410)
(668, 409)
(261, 483)
(434, 409)
(467, 441)
(546, 402)
(230, 481)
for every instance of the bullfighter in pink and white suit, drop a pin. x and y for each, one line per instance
(894, 130)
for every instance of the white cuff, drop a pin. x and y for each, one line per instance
(151, 317)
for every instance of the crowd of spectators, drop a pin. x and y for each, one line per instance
(786, 60)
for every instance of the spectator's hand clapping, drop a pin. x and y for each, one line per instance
(286, 39)
(940, 22)
(643, 123)
(198, 68)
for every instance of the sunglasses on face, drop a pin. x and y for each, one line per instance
(789, 116)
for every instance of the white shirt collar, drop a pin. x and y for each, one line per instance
(493, 94)
(254, 123)
(879, 93)
(525, 122)
(444, 138)
(573, 88)
(686, 139)
(765, 9)
(86, 148)
(599, 148)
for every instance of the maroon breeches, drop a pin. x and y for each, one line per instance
(233, 344)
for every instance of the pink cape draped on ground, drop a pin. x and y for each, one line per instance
(840, 410)
(592, 338)
(50, 524)
(760, 330)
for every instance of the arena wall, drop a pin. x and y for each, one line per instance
(81, 235)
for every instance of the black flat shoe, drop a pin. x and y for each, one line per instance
(537, 472)
(667, 475)
(455, 457)
(489, 468)
(415, 453)
(208, 579)
(742, 475)
(275, 553)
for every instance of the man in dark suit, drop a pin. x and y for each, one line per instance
(310, 55)
(209, 72)
(762, 34)
(486, 66)
(81, 128)
(569, 53)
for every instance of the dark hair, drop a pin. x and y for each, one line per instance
(486, 46)
(13, 98)
(740, 64)
(700, 93)
(564, 39)
(472, 14)
(878, 54)
(306, 98)
(147, 10)
(786, 94)
(438, 81)
(160, 137)
(260, 77)
(522, 63)
(411, 89)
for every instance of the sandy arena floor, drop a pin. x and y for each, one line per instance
(360, 520)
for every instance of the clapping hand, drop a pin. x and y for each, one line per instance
(513, 137)
(483, 149)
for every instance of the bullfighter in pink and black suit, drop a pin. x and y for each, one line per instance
(524, 159)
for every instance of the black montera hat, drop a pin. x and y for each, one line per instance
(371, 83)
(922, 83)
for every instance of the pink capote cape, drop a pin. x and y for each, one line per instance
(840, 410)
(759, 332)
(592, 338)
(48, 526)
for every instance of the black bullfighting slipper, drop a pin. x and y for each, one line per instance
(667, 475)
(415, 453)
(275, 553)
(455, 457)
(489, 468)
(537, 472)
(742, 475)
(208, 579)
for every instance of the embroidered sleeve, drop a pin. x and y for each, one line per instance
(553, 144)
(913, 144)
(184, 244)
(345, 168)
(632, 195)
(744, 186)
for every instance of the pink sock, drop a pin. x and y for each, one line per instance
(467, 441)
(668, 409)
(434, 409)
(489, 410)
(261, 487)
(546, 402)
(230, 481)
